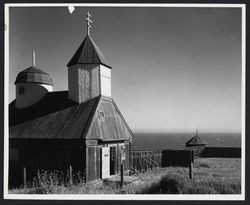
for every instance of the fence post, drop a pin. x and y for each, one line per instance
(191, 165)
(141, 162)
(70, 175)
(24, 177)
(38, 174)
(122, 179)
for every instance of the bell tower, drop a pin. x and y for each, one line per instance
(89, 74)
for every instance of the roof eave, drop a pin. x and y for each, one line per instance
(71, 64)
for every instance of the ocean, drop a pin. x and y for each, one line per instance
(178, 140)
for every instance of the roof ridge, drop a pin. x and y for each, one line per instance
(90, 119)
(126, 124)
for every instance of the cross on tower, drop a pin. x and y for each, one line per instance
(88, 22)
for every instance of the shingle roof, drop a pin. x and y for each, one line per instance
(33, 75)
(196, 140)
(88, 53)
(57, 117)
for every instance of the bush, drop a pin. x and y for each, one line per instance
(175, 184)
(50, 182)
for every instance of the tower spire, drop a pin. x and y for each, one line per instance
(196, 132)
(33, 58)
(88, 23)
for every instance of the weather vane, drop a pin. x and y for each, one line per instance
(88, 22)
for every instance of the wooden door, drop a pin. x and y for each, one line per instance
(105, 162)
(113, 160)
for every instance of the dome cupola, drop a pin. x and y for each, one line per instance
(32, 84)
(34, 75)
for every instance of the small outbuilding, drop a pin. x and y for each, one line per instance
(197, 144)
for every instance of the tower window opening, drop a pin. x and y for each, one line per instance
(21, 90)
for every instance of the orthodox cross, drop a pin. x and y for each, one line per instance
(88, 22)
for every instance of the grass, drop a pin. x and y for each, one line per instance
(211, 176)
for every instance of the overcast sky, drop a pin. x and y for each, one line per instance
(174, 69)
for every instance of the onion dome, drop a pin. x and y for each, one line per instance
(34, 75)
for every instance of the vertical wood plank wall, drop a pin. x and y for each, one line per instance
(112, 127)
(84, 82)
(94, 164)
(47, 156)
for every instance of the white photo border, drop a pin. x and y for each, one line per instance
(217, 197)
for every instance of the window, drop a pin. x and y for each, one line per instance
(101, 115)
(21, 90)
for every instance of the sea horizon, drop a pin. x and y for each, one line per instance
(170, 140)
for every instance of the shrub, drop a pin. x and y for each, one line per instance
(175, 184)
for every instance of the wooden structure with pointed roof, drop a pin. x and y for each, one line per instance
(197, 143)
(80, 128)
(88, 53)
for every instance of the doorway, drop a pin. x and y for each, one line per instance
(105, 166)
(113, 160)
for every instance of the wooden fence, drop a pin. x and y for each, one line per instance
(142, 160)
(196, 149)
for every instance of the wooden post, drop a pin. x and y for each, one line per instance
(38, 175)
(24, 177)
(130, 157)
(141, 162)
(191, 165)
(122, 173)
(70, 175)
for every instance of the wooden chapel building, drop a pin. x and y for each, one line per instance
(80, 128)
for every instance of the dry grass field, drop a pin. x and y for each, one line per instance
(211, 176)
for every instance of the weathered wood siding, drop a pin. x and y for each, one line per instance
(197, 149)
(126, 161)
(110, 127)
(84, 82)
(47, 155)
(73, 83)
(94, 163)
(105, 78)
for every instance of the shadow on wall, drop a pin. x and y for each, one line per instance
(223, 152)
(184, 157)
(177, 158)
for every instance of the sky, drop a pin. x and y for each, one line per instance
(173, 69)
